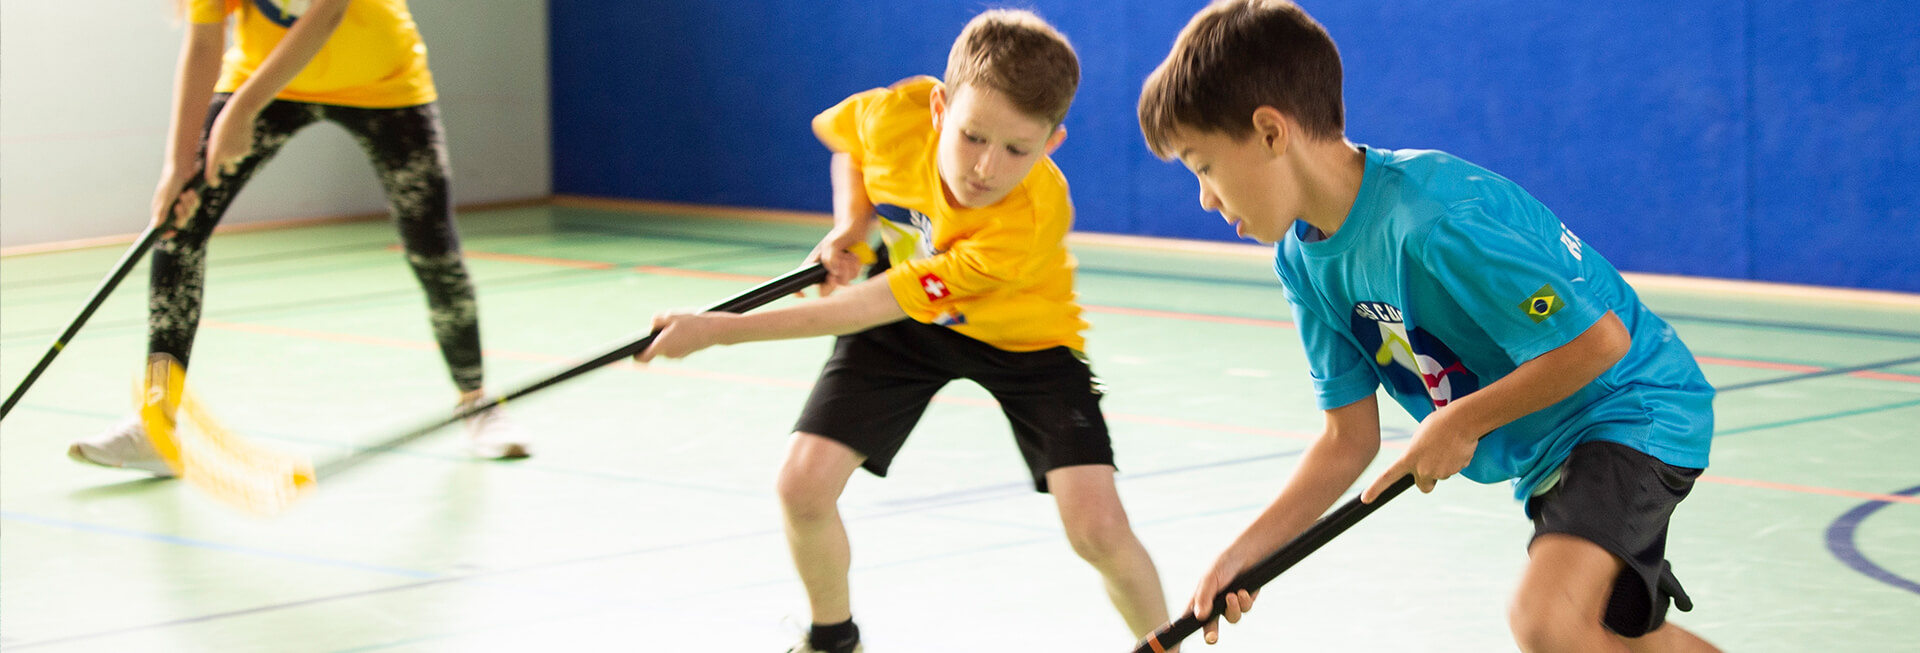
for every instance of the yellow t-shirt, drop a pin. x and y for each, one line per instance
(375, 59)
(999, 274)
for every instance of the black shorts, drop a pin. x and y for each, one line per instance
(1621, 499)
(879, 381)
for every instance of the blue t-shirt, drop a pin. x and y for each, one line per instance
(1444, 278)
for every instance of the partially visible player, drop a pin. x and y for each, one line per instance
(360, 65)
(1523, 353)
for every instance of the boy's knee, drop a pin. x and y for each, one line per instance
(1098, 535)
(1544, 626)
(804, 494)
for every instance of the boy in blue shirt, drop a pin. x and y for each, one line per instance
(1523, 353)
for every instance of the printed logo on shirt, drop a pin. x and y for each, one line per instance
(1571, 241)
(935, 287)
(1543, 304)
(949, 318)
(282, 12)
(907, 233)
(1412, 362)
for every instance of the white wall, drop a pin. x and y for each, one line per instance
(84, 89)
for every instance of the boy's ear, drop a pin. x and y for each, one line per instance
(1272, 128)
(937, 101)
(1059, 136)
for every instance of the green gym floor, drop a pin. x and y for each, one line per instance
(646, 521)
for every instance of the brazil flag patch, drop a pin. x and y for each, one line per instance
(1543, 304)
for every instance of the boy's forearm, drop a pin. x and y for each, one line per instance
(304, 40)
(194, 77)
(1539, 383)
(1330, 466)
(856, 308)
(852, 209)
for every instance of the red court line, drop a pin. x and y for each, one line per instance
(521, 258)
(1887, 376)
(1804, 369)
(964, 401)
(349, 338)
(1171, 315)
(1192, 317)
(1758, 365)
(670, 370)
(1808, 489)
(697, 274)
(540, 260)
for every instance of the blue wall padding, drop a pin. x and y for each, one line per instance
(1725, 138)
(1836, 143)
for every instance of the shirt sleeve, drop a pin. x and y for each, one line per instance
(839, 127)
(848, 126)
(1341, 375)
(1525, 290)
(209, 11)
(1007, 250)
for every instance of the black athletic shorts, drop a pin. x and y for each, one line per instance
(879, 381)
(1621, 499)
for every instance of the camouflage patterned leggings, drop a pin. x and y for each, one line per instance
(410, 154)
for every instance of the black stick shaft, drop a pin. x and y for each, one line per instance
(1317, 535)
(758, 296)
(120, 270)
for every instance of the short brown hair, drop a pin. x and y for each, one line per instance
(1016, 53)
(1236, 56)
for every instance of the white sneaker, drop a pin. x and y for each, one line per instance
(125, 445)
(806, 646)
(492, 435)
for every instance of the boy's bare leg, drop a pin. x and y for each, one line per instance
(1097, 527)
(811, 480)
(1563, 597)
(1669, 638)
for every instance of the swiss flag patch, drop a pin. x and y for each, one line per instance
(935, 287)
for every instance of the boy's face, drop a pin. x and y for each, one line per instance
(1245, 180)
(986, 145)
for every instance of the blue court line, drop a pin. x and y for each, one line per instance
(1814, 375)
(859, 569)
(628, 605)
(440, 580)
(1840, 541)
(1817, 418)
(988, 493)
(561, 227)
(1002, 490)
(1791, 326)
(920, 504)
(273, 257)
(212, 546)
(456, 459)
(1275, 283)
(572, 562)
(970, 496)
(925, 503)
(221, 615)
(901, 512)
(1843, 548)
(409, 295)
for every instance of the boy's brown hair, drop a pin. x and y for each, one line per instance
(1019, 55)
(1236, 56)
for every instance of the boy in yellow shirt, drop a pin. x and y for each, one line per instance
(976, 283)
(360, 65)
